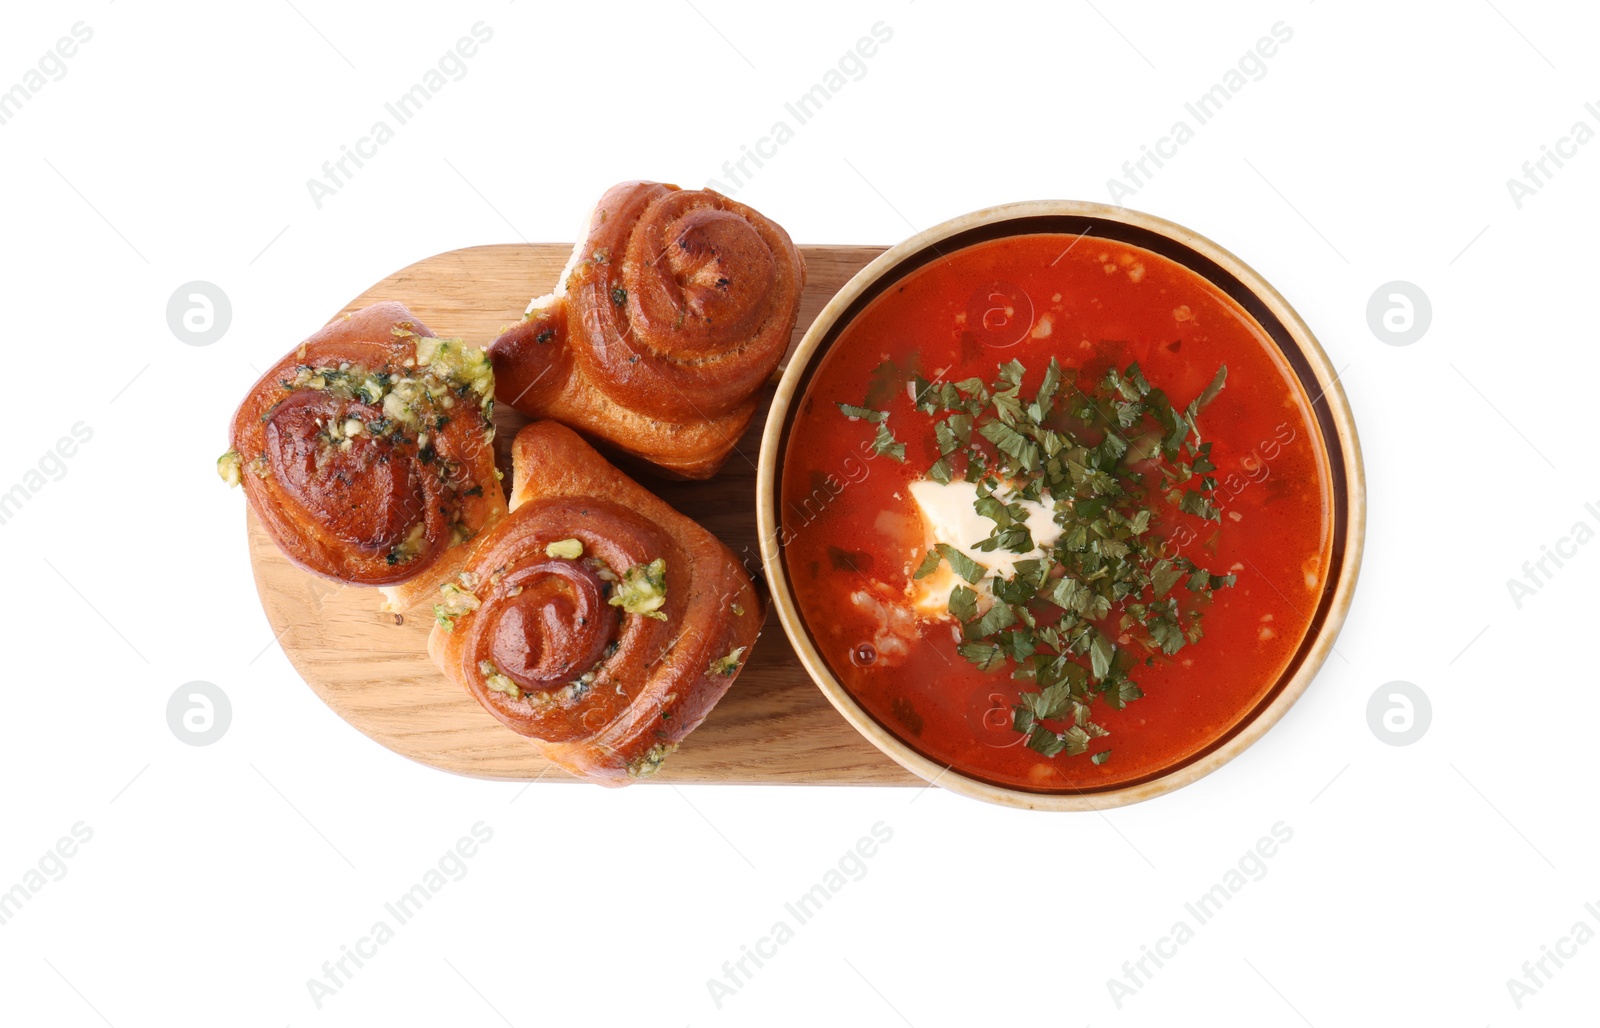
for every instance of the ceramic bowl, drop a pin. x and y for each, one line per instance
(1286, 329)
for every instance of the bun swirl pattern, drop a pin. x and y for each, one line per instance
(595, 620)
(674, 309)
(367, 453)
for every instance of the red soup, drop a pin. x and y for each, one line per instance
(1055, 512)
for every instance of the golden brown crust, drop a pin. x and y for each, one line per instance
(363, 466)
(605, 692)
(678, 306)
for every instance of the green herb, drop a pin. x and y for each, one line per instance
(642, 589)
(885, 445)
(998, 616)
(619, 296)
(651, 761)
(455, 600)
(1110, 456)
(1208, 394)
(961, 564)
(864, 413)
(963, 603)
(986, 656)
(726, 666)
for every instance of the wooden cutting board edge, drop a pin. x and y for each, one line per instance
(773, 727)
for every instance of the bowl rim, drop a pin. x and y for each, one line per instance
(1343, 578)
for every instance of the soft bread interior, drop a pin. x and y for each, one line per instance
(560, 290)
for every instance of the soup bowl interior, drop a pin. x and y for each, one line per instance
(1295, 348)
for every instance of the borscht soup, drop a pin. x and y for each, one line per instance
(1055, 511)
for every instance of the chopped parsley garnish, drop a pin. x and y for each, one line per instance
(960, 563)
(1102, 598)
(884, 444)
(864, 413)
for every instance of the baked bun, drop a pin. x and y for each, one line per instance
(674, 309)
(367, 453)
(595, 620)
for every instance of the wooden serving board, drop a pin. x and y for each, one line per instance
(773, 726)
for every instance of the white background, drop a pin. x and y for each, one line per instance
(219, 878)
